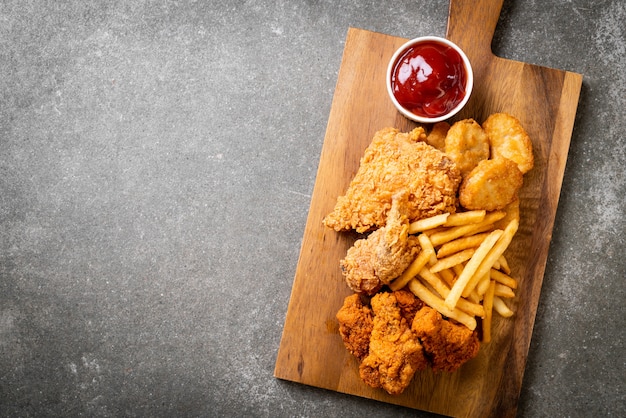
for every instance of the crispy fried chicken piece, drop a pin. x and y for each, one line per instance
(447, 345)
(395, 249)
(509, 140)
(408, 303)
(467, 144)
(381, 257)
(355, 319)
(395, 162)
(355, 325)
(491, 185)
(395, 354)
(437, 135)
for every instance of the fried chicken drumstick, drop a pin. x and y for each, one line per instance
(381, 257)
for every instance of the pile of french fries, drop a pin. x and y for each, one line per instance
(461, 270)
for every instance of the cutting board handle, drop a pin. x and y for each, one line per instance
(471, 25)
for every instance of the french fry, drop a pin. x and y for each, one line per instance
(504, 264)
(435, 302)
(471, 308)
(452, 260)
(488, 305)
(455, 232)
(464, 218)
(449, 234)
(500, 307)
(420, 261)
(482, 227)
(427, 246)
(460, 244)
(458, 269)
(483, 284)
(494, 254)
(474, 297)
(448, 276)
(504, 291)
(493, 217)
(431, 232)
(434, 281)
(428, 223)
(505, 279)
(440, 287)
(470, 269)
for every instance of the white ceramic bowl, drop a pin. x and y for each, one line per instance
(468, 85)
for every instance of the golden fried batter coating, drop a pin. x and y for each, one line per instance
(381, 257)
(355, 325)
(492, 185)
(408, 303)
(447, 345)
(396, 162)
(467, 144)
(395, 354)
(437, 135)
(509, 140)
(356, 320)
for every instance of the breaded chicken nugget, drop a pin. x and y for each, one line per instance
(437, 135)
(509, 140)
(492, 185)
(467, 144)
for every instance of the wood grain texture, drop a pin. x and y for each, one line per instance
(545, 100)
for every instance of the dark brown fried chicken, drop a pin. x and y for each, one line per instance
(381, 257)
(400, 335)
(447, 345)
(355, 325)
(408, 303)
(396, 162)
(395, 354)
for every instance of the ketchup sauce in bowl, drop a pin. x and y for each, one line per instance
(429, 79)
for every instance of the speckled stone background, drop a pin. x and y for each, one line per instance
(156, 164)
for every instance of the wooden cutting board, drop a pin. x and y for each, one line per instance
(545, 101)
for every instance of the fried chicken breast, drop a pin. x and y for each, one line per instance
(381, 257)
(395, 354)
(396, 162)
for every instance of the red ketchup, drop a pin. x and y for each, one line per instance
(429, 79)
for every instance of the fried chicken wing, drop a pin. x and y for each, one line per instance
(492, 185)
(381, 257)
(447, 345)
(408, 303)
(396, 162)
(395, 354)
(355, 325)
(509, 140)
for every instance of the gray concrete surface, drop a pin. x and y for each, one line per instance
(156, 164)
